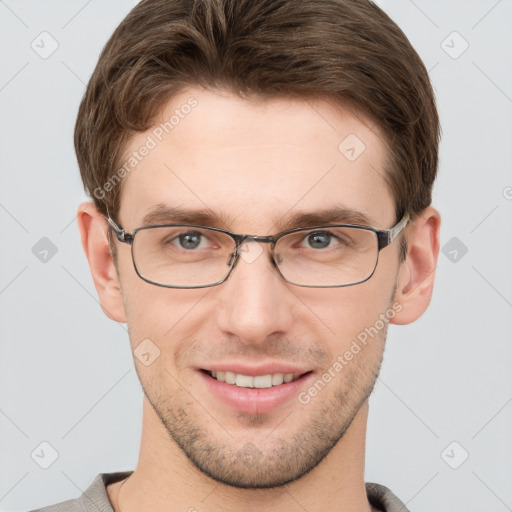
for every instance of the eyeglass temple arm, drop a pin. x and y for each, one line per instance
(121, 234)
(388, 235)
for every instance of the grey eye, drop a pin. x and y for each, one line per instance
(319, 239)
(190, 240)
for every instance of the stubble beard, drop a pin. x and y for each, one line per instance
(250, 464)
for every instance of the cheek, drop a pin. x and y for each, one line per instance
(346, 312)
(162, 315)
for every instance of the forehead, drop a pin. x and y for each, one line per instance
(251, 161)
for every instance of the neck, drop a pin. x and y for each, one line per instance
(165, 479)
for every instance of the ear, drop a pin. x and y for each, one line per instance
(416, 275)
(93, 231)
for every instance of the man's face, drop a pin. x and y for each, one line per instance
(254, 164)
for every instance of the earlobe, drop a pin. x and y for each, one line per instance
(416, 276)
(93, 232)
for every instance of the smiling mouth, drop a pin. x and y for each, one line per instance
(249, 381)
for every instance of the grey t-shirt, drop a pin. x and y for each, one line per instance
(95, 498)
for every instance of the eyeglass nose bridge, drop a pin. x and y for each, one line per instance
(241, 239)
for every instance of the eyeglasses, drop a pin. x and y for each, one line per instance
(190, 256)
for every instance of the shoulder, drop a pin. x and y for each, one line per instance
(93, 499)
(383, 499)
(73, 505)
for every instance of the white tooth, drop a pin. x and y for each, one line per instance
(214, 375)
(244, 381)
(263, 381)
(288, 377)
(220, 376)
(230, 377)
(277, 378)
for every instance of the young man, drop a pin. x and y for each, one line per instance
(312, 127)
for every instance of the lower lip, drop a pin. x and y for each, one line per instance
(255, 400)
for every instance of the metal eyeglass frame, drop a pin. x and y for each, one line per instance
(384, 238)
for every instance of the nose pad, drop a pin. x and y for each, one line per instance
(231, 258)
(247, 251)
(276, 260)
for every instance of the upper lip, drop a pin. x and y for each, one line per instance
(254, 370)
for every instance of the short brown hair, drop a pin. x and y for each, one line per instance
(347, 51)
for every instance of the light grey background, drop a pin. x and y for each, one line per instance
(67, 375)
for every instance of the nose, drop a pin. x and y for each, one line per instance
(255, 302)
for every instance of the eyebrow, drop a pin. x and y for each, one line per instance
(163, 214)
